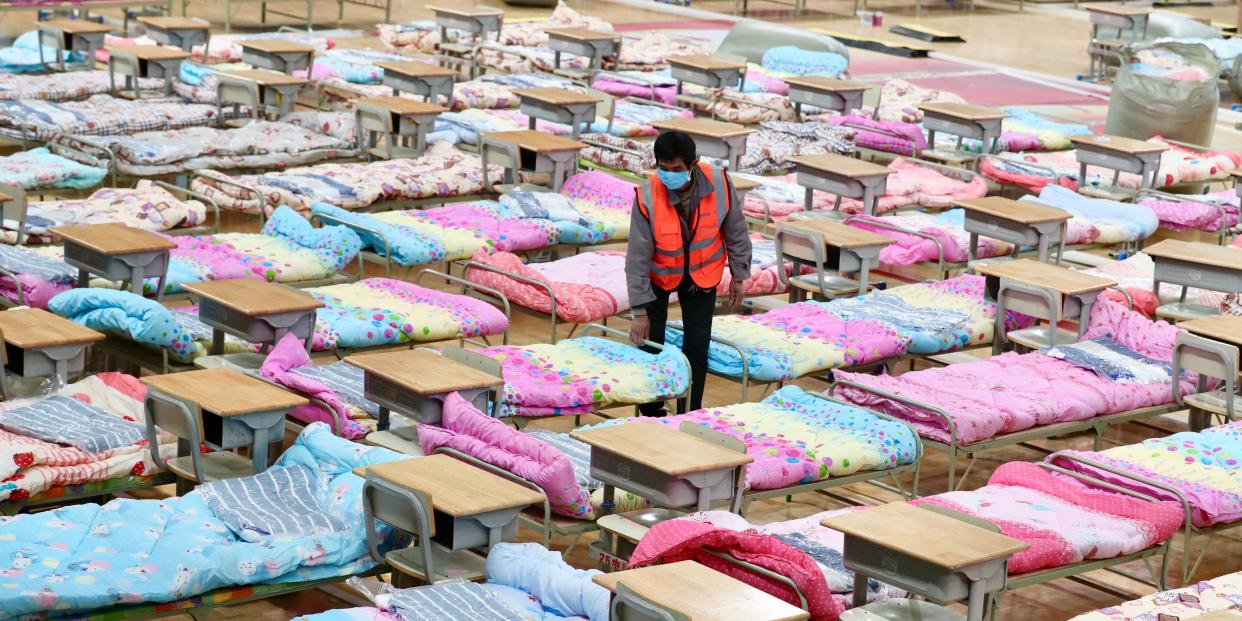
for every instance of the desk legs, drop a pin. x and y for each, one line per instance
(217, 341)
(860, 589)
(258, 451)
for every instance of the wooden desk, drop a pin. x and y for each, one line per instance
(891, 542)
(421, 79)
(1119, 155)
(1194, 264)
(590, 44)
(448, 504)
(394, 118)
(1209, 348)
(144, 61)
(842, 176)
(1223, 328)
(842, 96)
(116, 252)
(415, 383)
(71, 35)
(1024, 223)
(717, 139)
(557, 105)
(254, 310)
(529, 151)
(1119, 17)
(277, 54)
(1043, 291)
(697, 592)
(231, 409)
(963, 121)
(672, 468)
(259, 90)
(707, 71)
(476, 20)
(41, 344)
(828, 246)
(182, 32)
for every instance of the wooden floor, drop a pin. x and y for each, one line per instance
(1049, 41)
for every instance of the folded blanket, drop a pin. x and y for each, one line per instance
(455, 600)
(39, 277)
(65, 420)
(280, 502)
(39, 169)
(1111, 360)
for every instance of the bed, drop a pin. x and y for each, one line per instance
(69, 86)
(920, 237)
(970, 407)
(422, 36)
(626, 119)
(442, 175)
(767, 150)
(216, 537)
(1179, 165)
(524, 582)
(32, 120)
(226, 48)
(1072, 524)
(590, 286)
(1023, 131)
(106, 452)
(150, 206)
(1194, 470)
(298, 139)
(809, 337)
(1136, 274)
(1213, 212)
(23, 55)
(486, 92)
(1206, 596)
(1107, 222)
(52, 170)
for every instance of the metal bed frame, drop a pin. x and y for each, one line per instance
(308, 16)
(1222, 233)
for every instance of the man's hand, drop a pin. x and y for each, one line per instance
(736, 291)
(640, 329)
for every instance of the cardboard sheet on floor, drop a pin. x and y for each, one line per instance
(923, 33)
(884, 46)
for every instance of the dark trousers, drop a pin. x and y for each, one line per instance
(697, 308)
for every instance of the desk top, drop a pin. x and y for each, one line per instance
(905, 528)
(829, 85)
(1117, 144)
(75, 26)
(837, 234)
(473, 11)
(453, 486)
(742, 184)
(253, 297)
(1023, 212)
(225, 392)
(151, 52)
(703, 62)
(841, 165)
(532, 140)
(5, 197)
(701, 593)
(963, 111)
(1119, 10)
(276, 46)
(1227, 257)
(702, 127)
(168, 22)
(402, 105)
(262, 77)
(423, 371)
(417, 69)
(582, 34)
(557, 96)
(662, 448)
(1226, 328)
(35, 328)
(113, 238)
(1060, 279)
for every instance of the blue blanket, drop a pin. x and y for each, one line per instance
(88, 557)
(65, 420)
(23, 55)
(1113, 361)
(1135, 222)
(931, 330)
(121, 312)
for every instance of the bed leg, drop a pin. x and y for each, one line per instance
(199, 613)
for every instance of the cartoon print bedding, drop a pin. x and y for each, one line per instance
(1012, 392)
(630, 119)
(71, 558)
(1202, 466)
(807, 337)
(947, 227)
(147, 206)
(299, 139)
(99, 115)
(1203, 213)
(1218, 594)
(41, 169)
(422, 36)
(794, 437)
(63, 86)
(524, 582)
(30, 466)
(1098, 220)
(486, 92)
(442, 172)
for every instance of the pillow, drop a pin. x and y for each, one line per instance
(281, 502)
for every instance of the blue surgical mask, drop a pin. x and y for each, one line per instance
(673, 180)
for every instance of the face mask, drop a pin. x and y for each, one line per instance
(673, 180)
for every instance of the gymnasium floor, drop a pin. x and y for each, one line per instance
(1009, 57)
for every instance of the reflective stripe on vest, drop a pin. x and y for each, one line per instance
(706, 249)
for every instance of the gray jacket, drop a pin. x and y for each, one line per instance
(641, 248)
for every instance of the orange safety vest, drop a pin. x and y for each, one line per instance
(707, 252)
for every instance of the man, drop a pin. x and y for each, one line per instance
(685, 227)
